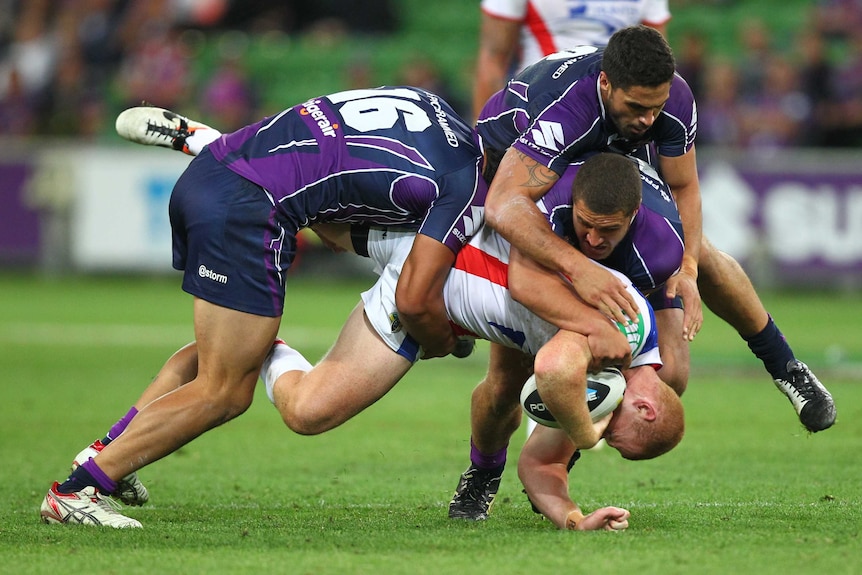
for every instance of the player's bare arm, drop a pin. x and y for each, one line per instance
(542, 468)
(680, 174)
(498, 42)
(560, 368)
(547, 295)
(511, 210)
(419, 296)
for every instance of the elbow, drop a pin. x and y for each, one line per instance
(411, 307)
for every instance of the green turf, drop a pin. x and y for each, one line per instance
(747, 491)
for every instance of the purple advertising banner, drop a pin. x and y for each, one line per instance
(794, 223)
(19, 224)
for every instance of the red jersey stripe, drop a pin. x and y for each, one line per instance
(478, 263)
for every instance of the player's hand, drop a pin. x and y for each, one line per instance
(601, 425)
(602, 290)
(607, 518)
(609, 347)
(683, 284)
(464, 346)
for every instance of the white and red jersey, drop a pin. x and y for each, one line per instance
(549, 26)
(478, 300)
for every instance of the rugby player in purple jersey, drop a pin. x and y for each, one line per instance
(390, 156)
(624, 98)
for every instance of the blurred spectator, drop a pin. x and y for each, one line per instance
(843, 120)
(718, 111)
(157, 67)
(755, 41)
(691, 61)
(229, 98)
(422, 72)
(29, 62)
(838, 19)
(815, 80)
(774, 118)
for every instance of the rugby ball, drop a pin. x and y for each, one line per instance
(605, 391)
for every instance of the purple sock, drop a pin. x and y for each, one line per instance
(88, 474)
(484, 461)
(120, 426)
(103, 482)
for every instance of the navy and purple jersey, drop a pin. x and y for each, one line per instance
(652, 249)
(553, 113)
(390, 156)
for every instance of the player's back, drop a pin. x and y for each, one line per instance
(511, 111)
(382, 155)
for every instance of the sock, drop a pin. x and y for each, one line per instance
(88, 474)
(281, 359)
(120, 426)
(771, 348)
(200, 138)
(484, 461)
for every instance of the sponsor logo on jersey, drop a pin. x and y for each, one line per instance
(443, 121)
(635, 332)
(311, 108)
(207, 273)
(394, 322)
(548, 135)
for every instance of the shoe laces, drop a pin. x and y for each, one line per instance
(800, 378)
(105, 502)
(477, 484)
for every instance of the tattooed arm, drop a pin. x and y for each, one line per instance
(511, 210)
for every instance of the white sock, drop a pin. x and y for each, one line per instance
(201, 138)
(281, 359)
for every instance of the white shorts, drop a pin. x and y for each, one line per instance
(388, 250)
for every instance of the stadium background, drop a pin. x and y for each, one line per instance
(747, 490)
(787, 207)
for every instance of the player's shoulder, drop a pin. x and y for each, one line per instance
(569, 64)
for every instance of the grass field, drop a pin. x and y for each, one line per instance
(747, 491)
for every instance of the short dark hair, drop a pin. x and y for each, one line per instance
(608, 183)
(638, 56)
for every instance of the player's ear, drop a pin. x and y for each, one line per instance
(646, 409)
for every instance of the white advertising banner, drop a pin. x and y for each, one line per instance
(119, 218)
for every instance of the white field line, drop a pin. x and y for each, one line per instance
(137, 335)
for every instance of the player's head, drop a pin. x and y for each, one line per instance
(650, 420)
(606, 195)
(638, 56)
(637, 70)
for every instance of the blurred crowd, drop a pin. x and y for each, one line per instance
(803, 91)
(68, 66)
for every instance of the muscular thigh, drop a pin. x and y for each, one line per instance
(358, 370)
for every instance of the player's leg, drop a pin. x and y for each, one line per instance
(495, 413)
(180, 369)
(673, 347)
(359, 369)
(727, 291)
(231, 349)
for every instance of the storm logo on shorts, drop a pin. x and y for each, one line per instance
(311, 108)
(205, 272)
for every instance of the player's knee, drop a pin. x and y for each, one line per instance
(305, 418)
(227, 404)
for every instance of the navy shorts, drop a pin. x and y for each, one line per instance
(227, 237)
(660, 301)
